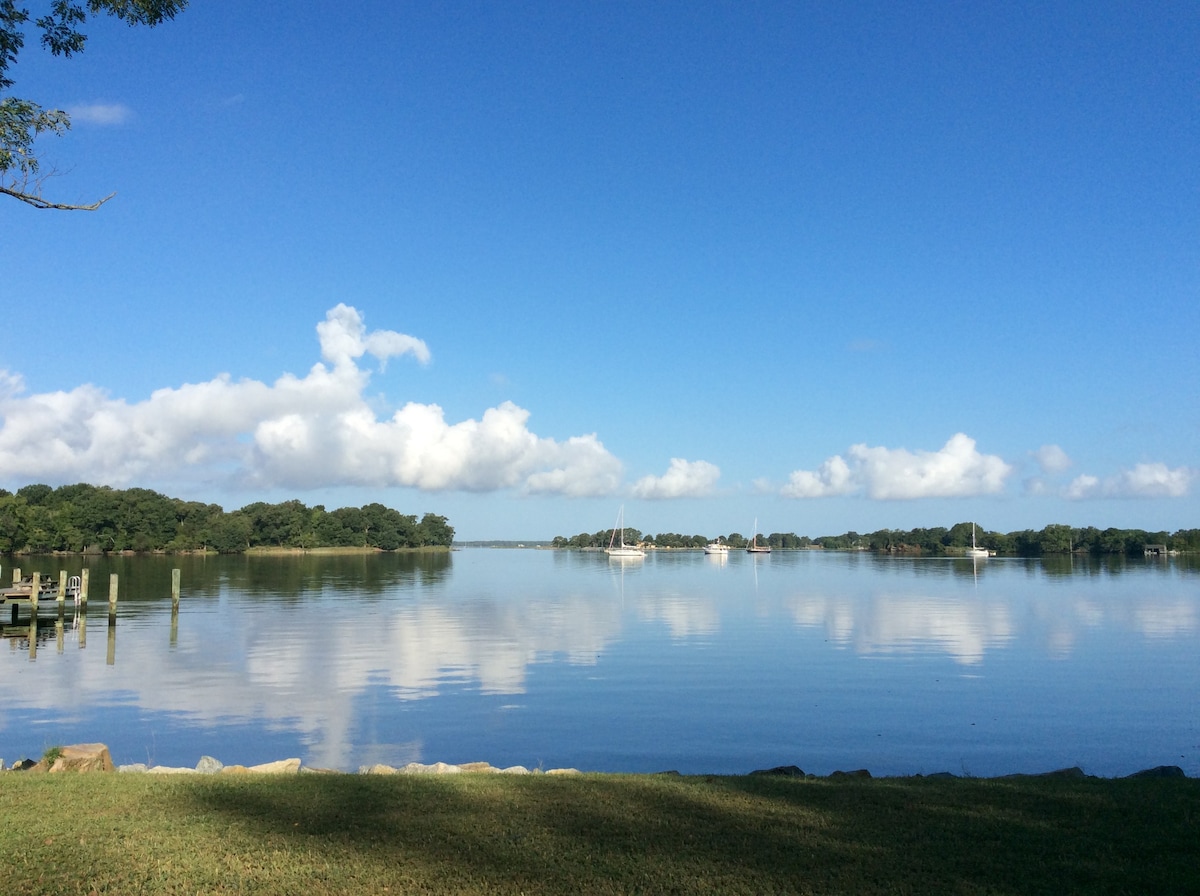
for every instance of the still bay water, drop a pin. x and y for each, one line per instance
(567, 659)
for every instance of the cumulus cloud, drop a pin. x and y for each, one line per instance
(298, 432)
(1141, 481)
(957, 469)
(103, 114)
(683, 479)
(1051, 459)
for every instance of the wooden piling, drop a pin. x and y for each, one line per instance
(112, 596)
(83, 586)
(62, 587)
(16, 575)
(174, 607)
(33, 594)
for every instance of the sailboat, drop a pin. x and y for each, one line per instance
(618, 548)
(975, 553)
(755, 547)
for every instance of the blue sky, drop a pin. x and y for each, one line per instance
(829, 268)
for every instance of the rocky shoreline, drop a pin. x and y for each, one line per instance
(96, 758)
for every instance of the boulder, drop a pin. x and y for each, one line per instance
(1160, 771)
(783, 771)
(208, 766)
(438, 768)
(857, 773)
(83, 758)
(377, 769)
(280, 767)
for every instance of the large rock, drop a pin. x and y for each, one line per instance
(1160, 771)
(783, 771)
(437, 768)
(282, 767)
(209, 766)
(81, 758)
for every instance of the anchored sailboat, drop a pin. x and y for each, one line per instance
(975, 553)
(619, 548)
(755, 547)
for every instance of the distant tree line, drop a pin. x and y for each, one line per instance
(1053, 539)
(97, 519)
(674, 540)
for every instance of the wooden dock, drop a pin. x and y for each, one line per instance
(34, 593)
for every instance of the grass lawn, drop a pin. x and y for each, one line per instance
(317, 834)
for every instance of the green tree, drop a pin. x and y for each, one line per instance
(23, 121)
(229, 533)
(13, 522)
(1057, 539)
(436, 530)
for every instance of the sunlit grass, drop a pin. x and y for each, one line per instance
(325, 834)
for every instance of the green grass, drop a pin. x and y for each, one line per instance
(492, 834)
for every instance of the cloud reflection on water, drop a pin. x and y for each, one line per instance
(317, 660)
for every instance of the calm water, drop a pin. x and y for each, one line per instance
(680, 661)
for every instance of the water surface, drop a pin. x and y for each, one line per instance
(679, 661)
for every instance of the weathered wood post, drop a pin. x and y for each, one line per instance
(83, 586)
(33, 611)
(174, 607)
(112, 598)
(16, 574)
(62, 603)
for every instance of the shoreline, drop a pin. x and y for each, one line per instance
(95, 757)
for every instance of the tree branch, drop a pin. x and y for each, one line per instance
(38, 202)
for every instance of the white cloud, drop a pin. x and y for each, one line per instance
(832, 478)
(1051, 459)
(315, 431)
(1142, 481)
(344, 338)
(103, 114)
(956, 470)
(683, 479)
